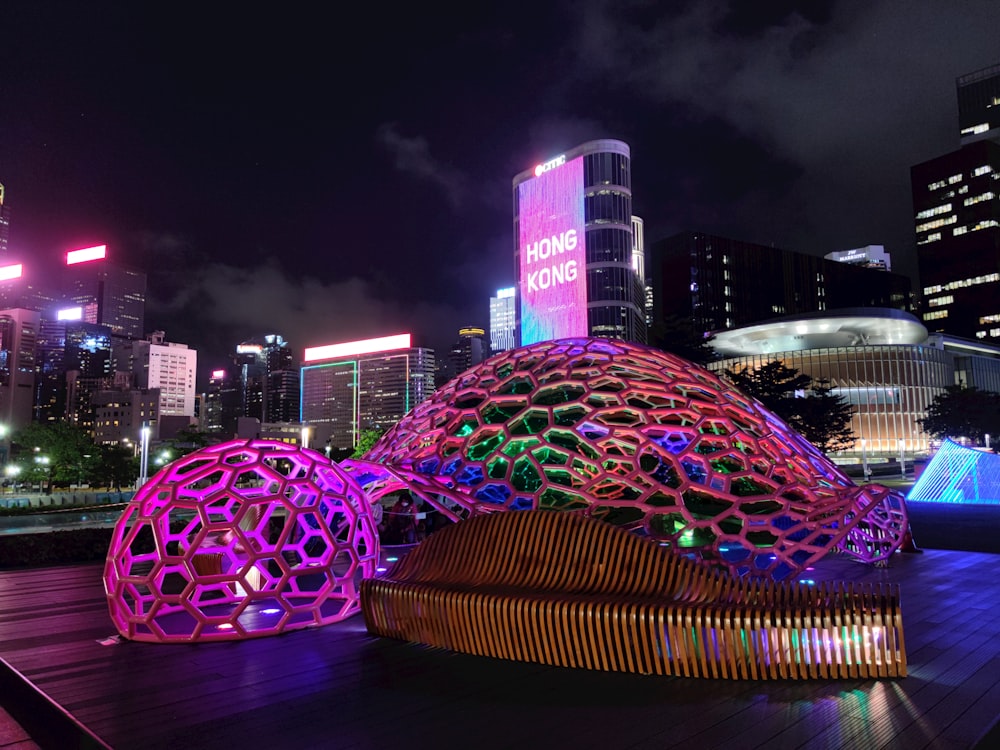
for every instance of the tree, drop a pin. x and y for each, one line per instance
(366, 440)
(824, 419)
(679, 335)
(962, 412)
(118, 467)
(808, 406)
(60, 453)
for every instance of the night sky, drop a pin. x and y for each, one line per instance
(343, 173)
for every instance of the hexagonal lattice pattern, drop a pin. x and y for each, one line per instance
(249, 538)
(642, 439)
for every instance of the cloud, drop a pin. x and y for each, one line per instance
(853, 94)
(223, 305)
(413, 156)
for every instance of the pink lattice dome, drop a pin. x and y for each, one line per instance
(645, 440)
(242, 539)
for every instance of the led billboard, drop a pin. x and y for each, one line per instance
(97, 252)
(552, 253)
(357, 348)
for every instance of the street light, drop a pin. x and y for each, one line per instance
(902, 459)
(143, 455)
(864, 459)
(12, 470)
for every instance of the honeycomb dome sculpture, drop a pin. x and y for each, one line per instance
(645, 440)
(242, 539)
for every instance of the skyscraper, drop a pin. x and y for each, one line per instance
(168, 367)
(956, 206)
(503, 320)
(359, 385)
(4, 224)
(979, 105)
(18, 342)
(109, 294)
(574, 248)
(721, 283)
(469, 350)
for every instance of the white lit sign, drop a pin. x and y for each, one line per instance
(218, 374)
(11, 272)
(550, 164)
(354, 348)
(505, 293)
(249, 349)
(70, 313)
(88, 253)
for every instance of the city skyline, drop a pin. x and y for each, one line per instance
(287, 177)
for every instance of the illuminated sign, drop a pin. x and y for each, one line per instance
(218, 374)
(249, 349)
(354, 348)
(11, 272)
(505, 293)
(552, 257)
(70, 313)
(472, 331)
(88, 253)
(550, 164)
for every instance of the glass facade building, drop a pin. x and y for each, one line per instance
(979, 105)
(345, 395)
(889, 374)
(615, 288)
(503, 321)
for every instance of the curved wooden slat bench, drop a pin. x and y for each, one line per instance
(562, 589)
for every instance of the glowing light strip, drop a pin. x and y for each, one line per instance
(11, 272)
(354, 348)
(88, 253)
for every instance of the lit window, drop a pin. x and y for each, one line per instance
(954, 178)
(978, 198)
(985, 169)
(938, 301)
(936, 211)
(935, 315)
(932, 237)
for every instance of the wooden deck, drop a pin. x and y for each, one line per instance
(337, 687)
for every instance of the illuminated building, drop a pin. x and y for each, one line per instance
(268, 380)
(957, 221)
(4, 223)
(18, 342)
(168, 367)
(470, 349)
(882, 361)
(109, 294)
(503, 320)
(358, 385)
(869, 256)
(121, 412)
(574, 257)
(721, 283)
(979, 105)
(74, 359)
(25, 287)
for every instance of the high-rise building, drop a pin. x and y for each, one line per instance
(158, 364)
(121, 412)
(869, 256)
(979, 105)
(4, 223)
(359, 385)
(26, 288)
(74, 360)
(721, 283)
(108, 294)
(268, 380)
(574, 248)
(18, 342)
(470, 349)
(221, 403)
(503, 320)
(956, 206)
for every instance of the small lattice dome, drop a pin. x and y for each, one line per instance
(246, 538)
(646, 440)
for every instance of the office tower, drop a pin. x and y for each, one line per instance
(109, 294)
(26, 287)
(74, 359)
(503, 321)
(469, 350)
(158, 364)
(641, 267)
(122, 411)
(221, 403)
(574, 247)
(979, 105)
(252, 370)
(957, 218)
(18, 348)
(869, 256)
(721, 283)
(4, 224)
(358, 385)
(281, 384)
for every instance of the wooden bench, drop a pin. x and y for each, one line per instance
(562, 589)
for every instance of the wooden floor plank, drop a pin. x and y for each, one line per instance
(305, 687)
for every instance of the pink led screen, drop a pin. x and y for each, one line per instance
(552, 254)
